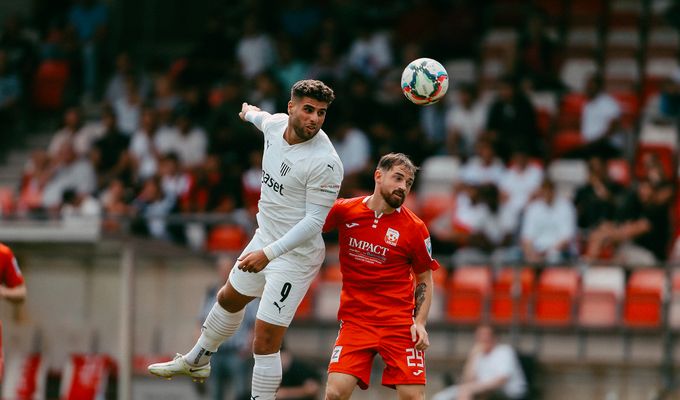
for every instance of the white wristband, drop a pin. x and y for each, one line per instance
(269, 253)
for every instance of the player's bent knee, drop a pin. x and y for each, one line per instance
(268, 337)
(231, 300)
(336, 393)
(409, 392)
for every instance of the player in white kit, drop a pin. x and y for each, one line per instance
(301, 177)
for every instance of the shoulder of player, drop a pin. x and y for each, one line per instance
(349, 202)
(411, 216)
(275, 120)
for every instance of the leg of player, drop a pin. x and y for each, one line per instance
(221, 323)
(267, 371)
(340, 386)
(411, 392)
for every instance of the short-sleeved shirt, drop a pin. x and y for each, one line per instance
(502, 361)
(10, 274)
(292, 176)
(378, 258)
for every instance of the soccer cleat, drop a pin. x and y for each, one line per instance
(180, 367)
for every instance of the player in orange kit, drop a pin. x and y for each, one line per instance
(12, 287)
(384, 248)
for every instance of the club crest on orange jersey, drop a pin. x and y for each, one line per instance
(392, 236)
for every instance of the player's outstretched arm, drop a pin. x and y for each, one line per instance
(15, 294)
(423, 300)
(253, 114)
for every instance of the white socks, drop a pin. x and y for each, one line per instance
(266, 376)
(218, 327)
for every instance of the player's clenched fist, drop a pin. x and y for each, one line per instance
(245, 107)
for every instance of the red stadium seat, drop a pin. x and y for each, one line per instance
(226, 238)
(602, 290)
(502, 302)
(433, 205)
(49, 84)
(469, 288)
(571, 108)
(630, 107)
(566, 141)
(7, 200)
(86, 376)
(555, 296)
(644, 295)
(665, 154)
(306, 308)
(26, 378)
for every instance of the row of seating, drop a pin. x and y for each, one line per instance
(556, 297)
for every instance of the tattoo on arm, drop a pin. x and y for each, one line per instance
(420, 296)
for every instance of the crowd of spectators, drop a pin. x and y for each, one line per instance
(167, 140)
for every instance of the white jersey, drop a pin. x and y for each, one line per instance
(293, 175)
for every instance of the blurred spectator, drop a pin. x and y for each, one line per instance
(211, 189)
(117, 87)
(114, 202)
(70, 172)
(165, 99)
(512, 121)
(128, 108)
(267, 94)
(252, 180)
(327, 67)
(641, 233)
(231, 365)
(433, 125)
(174, 182)
(79, 205)
(599, 199)
(10, 92)
(90, 20)
(186, 140)
(80, 136)
(17, 43)
(548, 227)
(211, 55)
(465, 121)
(151, 209)
(353, 147)
(538, 56)
(36, 173)
(143, 151)
(492, 371)
(254, 50)
(600, 123)
(520, 181)
(289, 68)
(484, 167)
(665, 103)
(110, 155)
(370, 53)
(300, 380)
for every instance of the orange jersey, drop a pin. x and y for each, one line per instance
(10, 274)
(378, 258)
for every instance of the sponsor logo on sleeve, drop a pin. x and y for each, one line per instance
(428, 246)
(335, 357)
(15, 264)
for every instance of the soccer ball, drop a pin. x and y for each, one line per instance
(424, 81)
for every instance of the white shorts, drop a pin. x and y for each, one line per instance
(282, 285)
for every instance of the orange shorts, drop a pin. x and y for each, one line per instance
(357, 345)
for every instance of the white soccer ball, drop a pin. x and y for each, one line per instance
(424, 81)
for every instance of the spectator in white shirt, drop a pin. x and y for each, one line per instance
(129, 108)
(483, 168)
(353, 147)
(548, 227)
(185, 139)
(80, 136)
(465, 121)
(71, 172)
(520, 181)
(370, 53)
(600, 122)
(143, 146)
(255, 51)
(492, 370)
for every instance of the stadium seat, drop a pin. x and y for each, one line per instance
(555, 297)
(644, 295)
(586, 12)
(26, 378)
(621, 74)
(226, 238)
(565, 141)
(49, 84)
(7, 200)
(601, 294)
(434, 205)
(438, 295)
(85, 377)
(666, 156)
(438, 174)
(630, 107)
(662, 42)
(575, 72)
(659, 135)
(582, 42)
(660, 67)
(568, 174)
(469, 288)
(571, 108)
(622, 43)
(503, 304)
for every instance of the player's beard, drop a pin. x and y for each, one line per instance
(302, 132)
(392, 198)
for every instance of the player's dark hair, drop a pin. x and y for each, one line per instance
(390, 160)
(314, 89)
